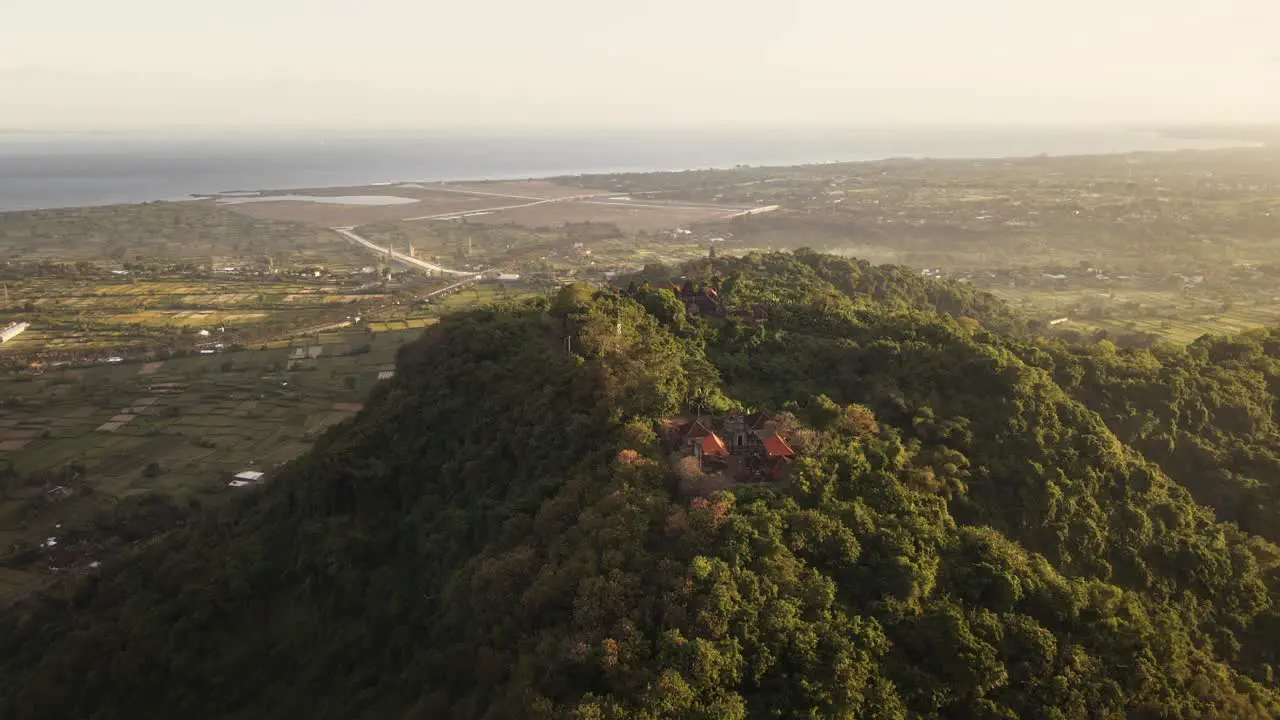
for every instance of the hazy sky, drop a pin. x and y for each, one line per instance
(421, 63)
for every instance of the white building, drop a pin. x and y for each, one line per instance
(13, 330)
(246, 477)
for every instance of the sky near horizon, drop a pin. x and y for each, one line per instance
(135, 64)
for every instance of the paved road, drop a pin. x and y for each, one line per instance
(586, 200)
(589, 198)
(669, 206)
(757, 211)
(384, 252)
(454, 286)
(478, 211)
(483, 210)
(440, 188)
(316, 329)
(610, 198)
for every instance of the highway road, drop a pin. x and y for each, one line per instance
(401, 257)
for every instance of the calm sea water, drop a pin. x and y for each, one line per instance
(45, 171)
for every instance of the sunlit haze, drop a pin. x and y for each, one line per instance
(561, 63)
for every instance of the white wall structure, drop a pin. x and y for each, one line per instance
(13, 330)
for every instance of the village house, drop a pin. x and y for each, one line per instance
(712, 453)
(246, 478)
(777, 456)
(698, 302)
(748, 447)
(690, 435)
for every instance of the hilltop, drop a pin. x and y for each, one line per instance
(792, 485)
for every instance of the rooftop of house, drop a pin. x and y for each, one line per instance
(695, 429)
(776, 447)
(756, 424)
(713, 446)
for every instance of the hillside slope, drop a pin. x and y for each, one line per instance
(502, 534)
(1207, 413)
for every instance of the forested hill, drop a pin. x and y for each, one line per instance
(806, 275)
(502, 533)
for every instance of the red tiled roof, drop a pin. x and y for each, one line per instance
(775, 446)
(712, 445)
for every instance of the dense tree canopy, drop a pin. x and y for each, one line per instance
(978, 524)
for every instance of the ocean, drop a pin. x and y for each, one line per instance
(71, 170)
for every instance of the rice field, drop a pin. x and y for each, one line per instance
(185, 318)
(198, 419)
(1170, 315)
(74, 316)
(164, 232)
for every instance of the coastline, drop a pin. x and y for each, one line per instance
(1259, 136)
(1220, 143)
(582, 159)
(583, 178)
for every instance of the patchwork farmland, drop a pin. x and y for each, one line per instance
(76, 443)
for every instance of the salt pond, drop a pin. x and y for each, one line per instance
(334, 200)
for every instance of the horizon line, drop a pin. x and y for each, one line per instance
(498, 129)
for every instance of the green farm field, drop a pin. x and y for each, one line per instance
(179, 429)
(1170, 315)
